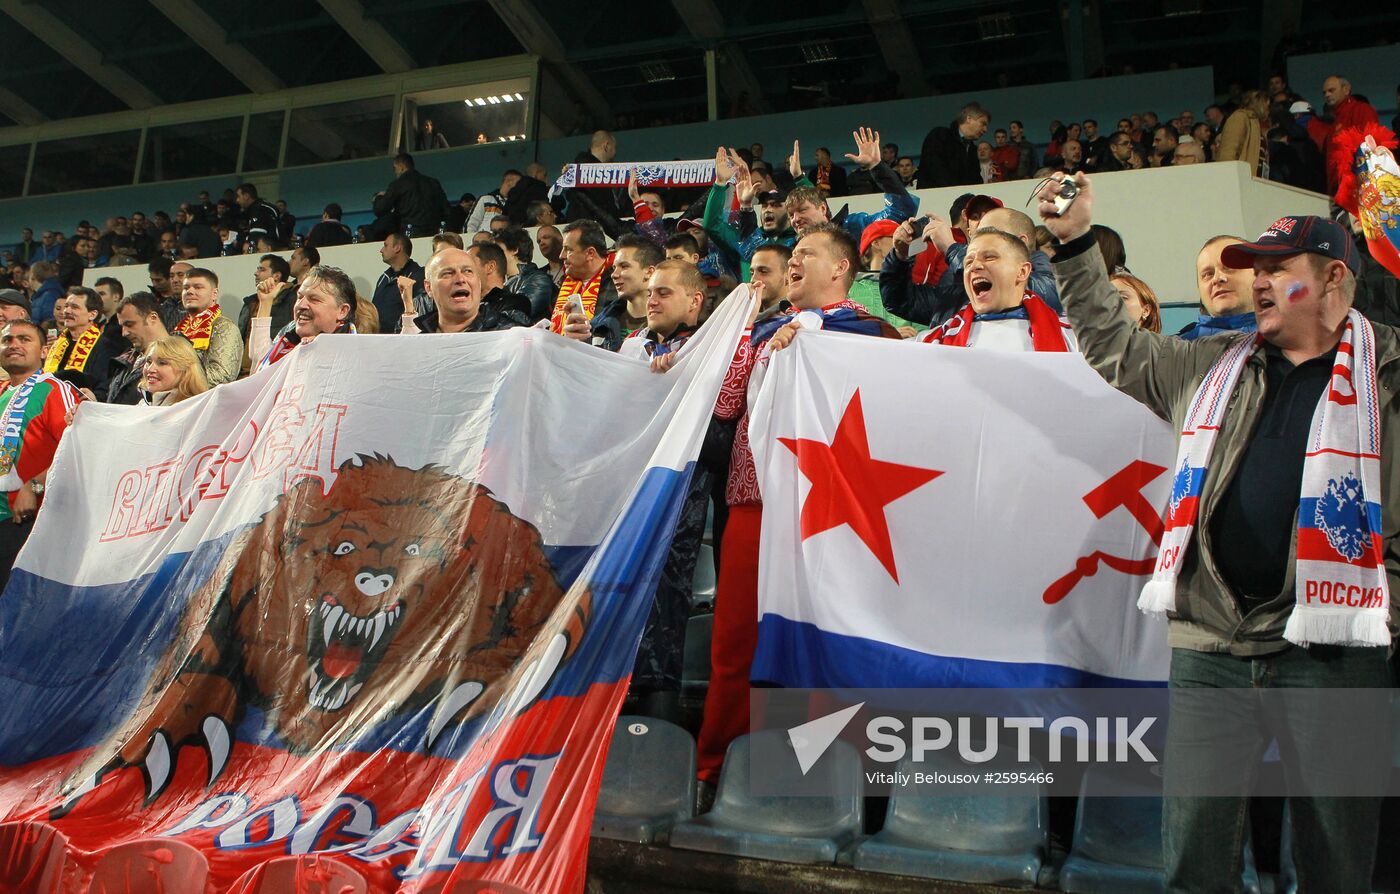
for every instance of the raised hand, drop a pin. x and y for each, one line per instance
(743, 183)
(795, 160)
(867, 153)
(633, 192)
(903, 237)
(724, 168)
(1075, 221)
(939, 232)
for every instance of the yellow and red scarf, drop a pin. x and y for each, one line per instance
(199, 327)
(82, 349)
(587, 293)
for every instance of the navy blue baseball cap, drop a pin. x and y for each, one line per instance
(1294, 235)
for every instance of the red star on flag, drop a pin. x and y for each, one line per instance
(851, 488)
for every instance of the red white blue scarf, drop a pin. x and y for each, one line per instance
(1341, 590)
(287, 339)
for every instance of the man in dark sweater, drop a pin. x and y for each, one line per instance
(949, 155)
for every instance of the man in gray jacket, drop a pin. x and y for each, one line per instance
(1238, 578)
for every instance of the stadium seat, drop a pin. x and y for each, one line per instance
(985, 837)
(787, 828)
(304, 874)
(150, 866)
(695, 670)
(648, 783)
(702, 590)
(33, 858)
(1117, 839)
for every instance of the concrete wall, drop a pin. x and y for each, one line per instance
(1163, 215)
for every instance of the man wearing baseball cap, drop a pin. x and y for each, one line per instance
(1280, 549)
(13, 305)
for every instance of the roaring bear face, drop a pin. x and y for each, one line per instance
(381, 593)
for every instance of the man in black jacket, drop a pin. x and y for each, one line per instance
(258, 217)
(460, 301)
(411, 200)
(526, 191)
(949, 154)
(139, 317)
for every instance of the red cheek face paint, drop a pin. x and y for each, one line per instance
(1297, 292)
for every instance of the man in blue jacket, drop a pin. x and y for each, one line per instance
(1227, 294)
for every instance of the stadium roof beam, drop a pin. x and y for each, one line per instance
(13, 106)
(377, 43)
(210, 37)
(897, 45)
(537, 36)
(66, 42)
(704, 20)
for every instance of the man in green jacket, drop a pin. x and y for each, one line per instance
(1239, 585)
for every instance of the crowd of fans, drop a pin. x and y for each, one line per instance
(621, 276)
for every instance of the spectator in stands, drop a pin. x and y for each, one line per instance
(1005, 156)
(533, 282)
(172, 372)
(455, 284)
(302, 260)
(1245, 134)
(82, 256)
(587, 282)
(329, 230)
(821, 270)
(889, 154)
(1071, 156)
(551, 243)
(1346, 111)
(492, 203)
(934, 305)
(683, 247)
(13, 305)
(33, 430)
(491, 266)
(989, 172)
(541, 214)
(1140, 301)
(1164, 140)
(199, 240)
(908, 174)
(141, 324)
(949, 154)
(499, 222)
(325, 304)
(27, 250)
(1188, 152)
(1227, 293)
(215, 337)
(460, 213)
(1001, 313)
(412, 202)
(80, 354)
(173, 310)
(19, 277)
(257, 217)
(1215, 117)
(635, 259)
(274, 293)
(397, 252)
(1095, 144)
(428, 138)
(524, 194)
(1118, 154)
(111, 291)
(875, 243)
(45, 290)
(806, 208)
(1235, 615)
(50, 248)
(769, 266)
(1203, 134)
(829, 179)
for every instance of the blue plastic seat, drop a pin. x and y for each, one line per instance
(985, 836)
(787, 828)
(695, 667)
(1117, 838)
(648, 783)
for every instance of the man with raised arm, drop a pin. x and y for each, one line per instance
(1280, 552)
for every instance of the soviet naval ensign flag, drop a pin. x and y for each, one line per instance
(379, 602)
(938, 516)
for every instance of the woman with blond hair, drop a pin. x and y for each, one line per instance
(1244, 136)
(173, 372)
(1140, 300)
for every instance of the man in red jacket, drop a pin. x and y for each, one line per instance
(1347, 111)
